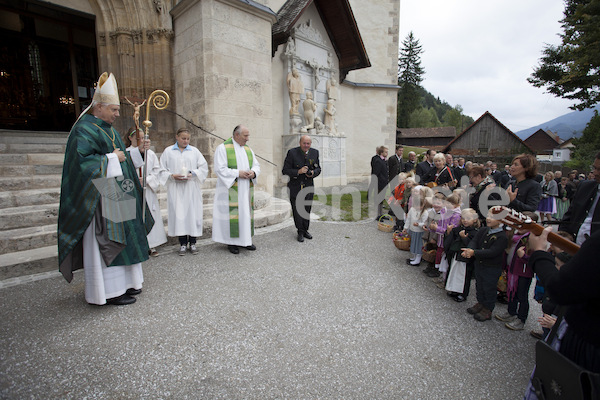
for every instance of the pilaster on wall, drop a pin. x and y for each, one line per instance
(134, 40)
(222, 71)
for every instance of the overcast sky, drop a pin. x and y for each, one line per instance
(479, 54)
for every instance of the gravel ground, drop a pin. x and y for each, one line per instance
(338, 317)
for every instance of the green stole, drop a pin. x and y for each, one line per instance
(234, 213)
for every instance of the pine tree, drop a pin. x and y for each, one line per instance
(572, 69)
(410, 76)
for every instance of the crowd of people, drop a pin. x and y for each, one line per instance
(443, 206)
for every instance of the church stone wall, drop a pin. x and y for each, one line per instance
(222, 66)
(374, 109)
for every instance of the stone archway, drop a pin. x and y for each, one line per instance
(135, 38)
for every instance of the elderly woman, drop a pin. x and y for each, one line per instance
(441, 175)
(547, 205)
(523, 191)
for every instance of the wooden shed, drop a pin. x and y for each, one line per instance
(431, 138)
(487, 139)
(542, 142)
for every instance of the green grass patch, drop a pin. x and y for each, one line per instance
(346, 204)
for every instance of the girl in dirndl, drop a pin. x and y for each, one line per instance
(415, 220)
(460, 272)
(563, 201)
(450, 218)
(547, 205)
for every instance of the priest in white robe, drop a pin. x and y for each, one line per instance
(237, 168)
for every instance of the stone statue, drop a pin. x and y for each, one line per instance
(333, 91)
(319, 126)
(330, 117)
(290, 49)
(296, 88)
(309, 110)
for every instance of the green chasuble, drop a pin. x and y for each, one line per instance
(80, 201)
(234, 214)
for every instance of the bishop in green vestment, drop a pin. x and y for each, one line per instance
(89, 236)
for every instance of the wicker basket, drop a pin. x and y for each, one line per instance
(402, 243)
(385, 225)
(429, 251)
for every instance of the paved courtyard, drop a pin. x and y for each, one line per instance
(339, 317)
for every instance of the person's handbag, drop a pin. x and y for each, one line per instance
(557, 377)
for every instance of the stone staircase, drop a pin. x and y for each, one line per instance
(30, 176)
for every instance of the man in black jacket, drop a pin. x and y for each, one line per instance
(395, 166)
(302, 166)
(410, 165)
(583, 217)
(424, 168)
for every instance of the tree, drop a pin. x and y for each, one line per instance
(454, 117)
(410, 76)
(572, 69)
(587, 146)
(424, 118)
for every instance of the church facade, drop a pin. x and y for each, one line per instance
(223, 63)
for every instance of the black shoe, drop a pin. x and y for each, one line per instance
(408, 261)
(122, 300)
(452, 294)
(434, 274)
(428, 269)
(233, 249)
(251, 247)
(133, 292)
(300, 237)
(413, 264)
(460, 298)
(307, 235)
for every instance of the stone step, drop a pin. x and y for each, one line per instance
(44, 259)
(29, 227)
(33, 137)
(27, 216)
(29, 170)
(27, 148)
(20, 198)
(29, 182)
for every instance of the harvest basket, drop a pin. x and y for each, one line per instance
(385, 223)
(402, 242)
(429, 251)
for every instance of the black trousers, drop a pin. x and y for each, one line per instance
(520, 299)
(302, 224)
(185, 239)
(486, 281)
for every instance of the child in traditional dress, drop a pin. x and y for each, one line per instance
(157, 235)
(450, 219)
(186, 169)
(415, 220)
(487, 248)
(460, 272)
(518, 280)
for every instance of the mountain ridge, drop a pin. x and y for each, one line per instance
(566, 126)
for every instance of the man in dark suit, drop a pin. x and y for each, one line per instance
(583, 217)
(496, 175)
(410, 165)
(424, 168)
(302, 166)
(395, 166)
